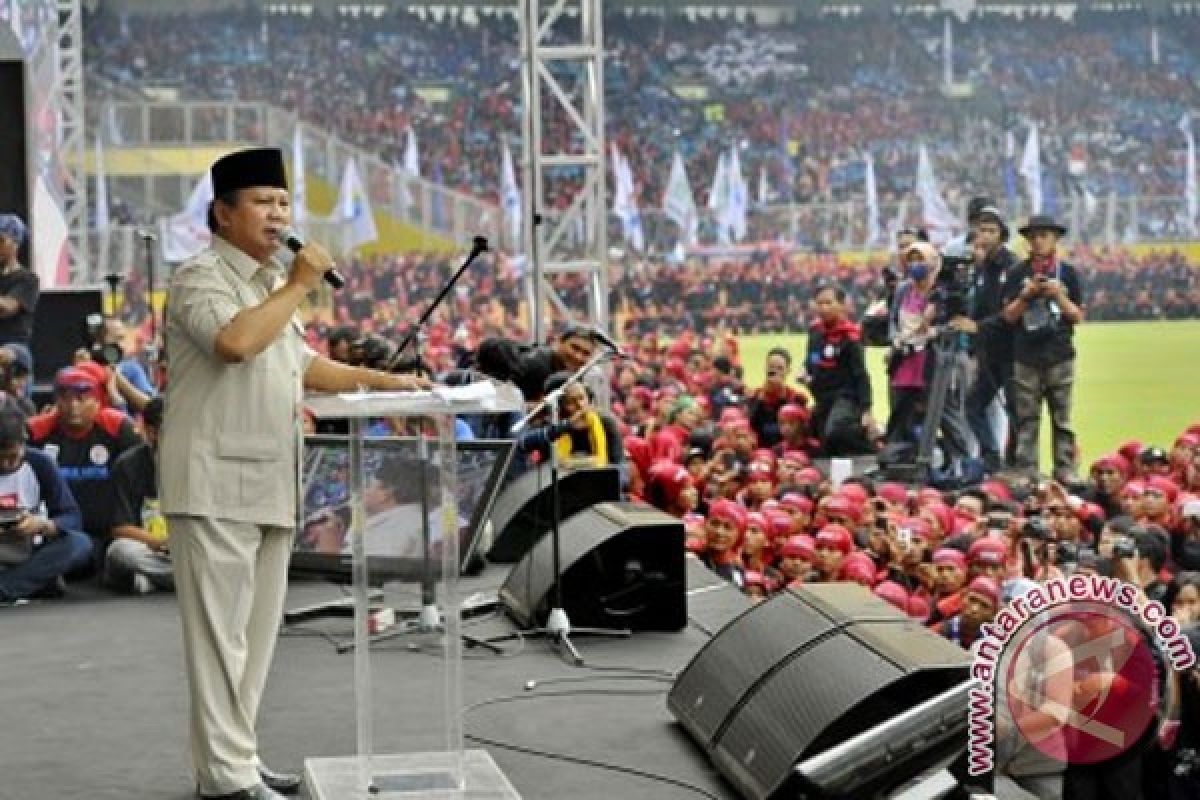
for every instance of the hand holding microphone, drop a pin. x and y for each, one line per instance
(313, 262)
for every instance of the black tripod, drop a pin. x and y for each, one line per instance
(945, 373)
(558, 625)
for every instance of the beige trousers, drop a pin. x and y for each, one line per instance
(231, 578)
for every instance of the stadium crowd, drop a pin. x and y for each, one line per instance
(804, 99)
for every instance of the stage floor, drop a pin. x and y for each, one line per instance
(93, 701)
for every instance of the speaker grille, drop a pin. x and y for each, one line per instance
(791, 677)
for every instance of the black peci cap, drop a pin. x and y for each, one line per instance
(247, 169)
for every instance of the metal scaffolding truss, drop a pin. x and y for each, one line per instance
(562, 69)
(67, 94)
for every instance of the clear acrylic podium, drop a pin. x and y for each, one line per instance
(414, 538)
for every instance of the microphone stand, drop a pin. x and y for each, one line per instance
(558, 625)
(148, 240)
(478, 247)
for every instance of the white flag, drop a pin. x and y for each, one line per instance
(353, 210)
(412, 163)
(1191, 195)
(679, 204)
(940, 223)
(624, 202)
(719, 191)
(872, 203)
(739, 197)
(102, 218)
(186, 234)
(299, 182)
(1031, 170)
(510, 197)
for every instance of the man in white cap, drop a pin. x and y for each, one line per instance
(229, 454)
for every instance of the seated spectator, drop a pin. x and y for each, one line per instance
(584, 436)
(85, 440)
(138, 559)
(40, 536)
(15, 366)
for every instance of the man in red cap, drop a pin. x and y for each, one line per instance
(726, 526)
(796, 559)
(793, 430)
(230, 453)
(85, 440)
(981, 601)
(833, 543)
(951, 568)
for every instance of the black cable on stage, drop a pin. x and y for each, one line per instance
(573, 759)
(587, 762)
(296, 631)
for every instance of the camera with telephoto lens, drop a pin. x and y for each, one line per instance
(103, 353)
(1036, 528)
(1124, 547)
(1066, 554)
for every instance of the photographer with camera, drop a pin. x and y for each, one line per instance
(993, 338)
(910, 331)
(1043, 302)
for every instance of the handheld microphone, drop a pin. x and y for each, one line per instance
(289, 239)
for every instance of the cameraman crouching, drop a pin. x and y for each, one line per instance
(1043, 301)
(993, 336)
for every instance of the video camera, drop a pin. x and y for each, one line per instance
(106, 354)
(956, 277)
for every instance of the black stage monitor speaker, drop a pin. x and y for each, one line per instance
(60, 328)
(524, 509)
(796, 675)
(623, 567)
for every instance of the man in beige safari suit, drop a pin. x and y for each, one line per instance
(229, 452)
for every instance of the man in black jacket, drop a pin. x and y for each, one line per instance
(1043, 303)
(837, 376)
(528, 366)
(993, 336)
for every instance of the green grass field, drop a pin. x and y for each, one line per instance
(1135, 380)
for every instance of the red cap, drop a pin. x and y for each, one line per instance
(1167, 486)
(1188, 439)
(835, 536)
(666, 446)
(1087, 511)
(794, 501)
(1134, 488)
(670, 478)
(997, 490)
(988, 551)
(758, 520)
(692, 520)
(793, 412)
(764, 455)
(730, 512)
(1112, 461)
(949, 557)
(927, 495)
(800, 546)
(1130, 450)
(894, 593)
(809, 475)
(985, 587)
(894, 493)
(856, 492)
(944, 515)
(779, 523)
(643, 395)
(730, 415)
(76, 378)
(859, 567)
(798, 458)
(843, 506)
(758, 471)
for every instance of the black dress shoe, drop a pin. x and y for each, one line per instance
(282, 782)
(258, 792)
